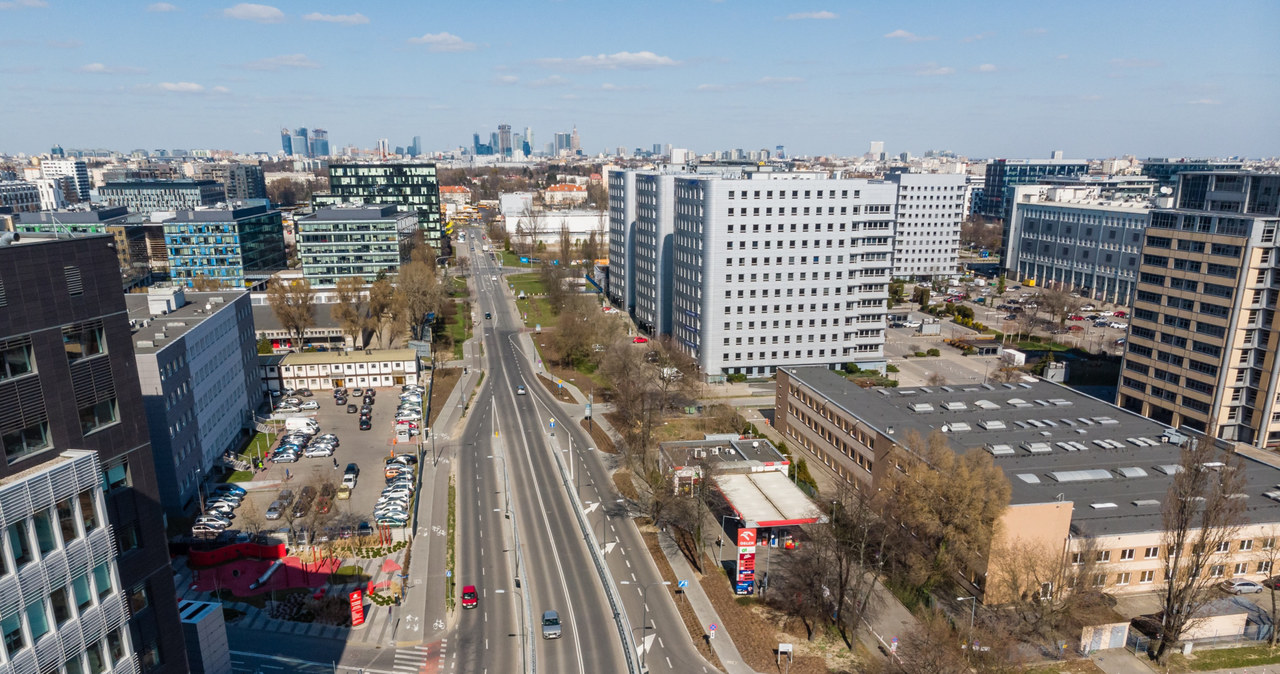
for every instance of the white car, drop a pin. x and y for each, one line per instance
(911, 324)
(288, 408)
(318, 451)
(309, 405)
(397, 491)
(1118, 326)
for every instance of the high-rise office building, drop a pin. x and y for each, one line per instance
(75, 169)
(1005, 174)
(286, 141)
(575, 143)
(301, 143)
(754, 269)
(354, 242)
(239, 181)
(416, 148)
(930, 210)
(149, 196)
(1166, 170)
(318, 146)
(1202, 342)
(877, 150)
(411, 185)
(87, 573)
(504, 140)
(233, 245)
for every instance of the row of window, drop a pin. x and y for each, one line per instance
(795, 194)
(22, 442)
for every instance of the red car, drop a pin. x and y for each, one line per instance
(1075, 317)
(469, 597)
(1119, 314)
(640, 340)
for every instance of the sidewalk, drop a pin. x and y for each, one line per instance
(722, 644)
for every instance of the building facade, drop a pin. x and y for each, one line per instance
(1069, 238)
(68, 372)
(149, 196)
(1166, 170)
(337, 369)
(231, 245)
(19, 196)
(74, 169)
(1203, 339)
(131, 250)
(197, 364)
(239, 181)
(411, 185)
(926, 241)
(354, 242)
(1005, 174)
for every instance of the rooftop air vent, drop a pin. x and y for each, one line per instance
(1131, 471)
(1006, 450)
(1146, 502)
(1029, 478)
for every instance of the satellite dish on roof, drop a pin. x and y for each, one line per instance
(1166, 190)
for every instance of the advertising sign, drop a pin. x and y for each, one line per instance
(746, 576)
(357, 609)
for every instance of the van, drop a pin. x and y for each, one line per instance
(302, 424)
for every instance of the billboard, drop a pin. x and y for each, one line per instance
(746, 576)
(357, 609)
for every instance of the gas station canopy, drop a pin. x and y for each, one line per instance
(767, 499)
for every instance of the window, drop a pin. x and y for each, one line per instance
(149, 656)
(97, 415)
(116, 475)
(115, 645)
(1147, 577)
(1122, 579)
(15, 361)
(45, 539)
(37, 619)
(20, 543)
(1246, 544)
(12, 628)
(61, 606)
(1077, 558)
(67, 520)
(102, 579)
(84, 596)
(96, 664)
(1268, 543)
(26, 441)
(1104, 556)
(139, 598)
(88, 511)
(83, 341)
(1264, 566)
(1223, 546)
(1099, 580)
(1242, 568)
(1126, 555)
(1217, 570)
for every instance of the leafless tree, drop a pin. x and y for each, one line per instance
(383, 313)
(420, 293)
(937, 379)
(293, 305)
(531, 224)
(1046, 590)
(351, 309)
(1203, 511)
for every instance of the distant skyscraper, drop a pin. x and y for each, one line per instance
(780, 152)
(57, 151)
(528, 140)
(416, 148)
(300, 142)
(286, 141)
(575, 143)
(504, 140)
(319, 144)
(384, 146)
(475, 143)
(877, 149)
(562, 143)
(657, 149)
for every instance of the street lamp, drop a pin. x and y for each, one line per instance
(644, 620)
(973, 608)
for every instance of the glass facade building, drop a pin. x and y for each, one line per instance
(230, 245)
(412, 185)
(358, 242)
(149, 196)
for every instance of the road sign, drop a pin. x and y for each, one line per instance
(448, 573)
(682, 583)
(893, 645)
(553, 423)
(712, 627)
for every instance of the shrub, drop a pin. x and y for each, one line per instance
(736, 378)
(891, 368)
(934, 352)
(919, 354)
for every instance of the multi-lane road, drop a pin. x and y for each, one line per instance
(520, 539)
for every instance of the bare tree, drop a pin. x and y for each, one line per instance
(351, 309)
(420, 294)
(1057, 303)
(936, 379)
(1203, 511)
(293, 305)
(202, 283)
(1046, 589)
(382, 311)
(530, 224)
(591, 248)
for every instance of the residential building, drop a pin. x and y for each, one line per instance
(150, 196)
(565, 193)
(231, 244)
(20, 196)
(239, 181)
(69, 377)
(1005, 174)
(1070, 238)
(1202, 341)
(458, 195)
(53, 192)
(1085, 476)
(820, 246)
(411, 185)
(325, 332)
(926, 240)
(75, 169)
(196, 356)
(323, 370)
(1165, 170)
(354, 241)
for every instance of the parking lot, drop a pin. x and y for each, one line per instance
(367, 449)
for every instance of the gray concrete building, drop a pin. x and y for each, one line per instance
(196, 355)
(354, 241)
(149, 196)
(926, 238)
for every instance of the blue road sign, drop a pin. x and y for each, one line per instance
(682, 583)
(553, 423)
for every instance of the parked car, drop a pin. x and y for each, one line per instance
(227, 486)
(1118, 326)
(285, 409)
(274, 510)
(365, 424)
(1120, 314)
(640, 340)
(285, 496)
(340, 401)
(352, 469)
(911, 324)
(352, 409)
(357, 392)
(205, 530)
(318, 451)
(1240, 586)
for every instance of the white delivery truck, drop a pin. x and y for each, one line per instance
(301, 424)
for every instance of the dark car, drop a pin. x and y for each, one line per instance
(364, 529)
(304, 392)
(340, 401)
(367, 408)
(370, 393)
(301, 509)
(286, 496)
(365, 424)
(368, 400)
(352, 409)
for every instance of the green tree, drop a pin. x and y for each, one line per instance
(1000, 285)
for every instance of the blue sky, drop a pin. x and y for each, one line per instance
(1014, 79)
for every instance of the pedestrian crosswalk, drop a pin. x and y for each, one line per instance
(426, 659)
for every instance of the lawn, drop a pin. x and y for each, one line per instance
(241, 476)
(459, 286)
(1226, 658)
(459, 329)
(1042, 346)
(536, 311)
(511, 259)
(530, 283)
(260, 444)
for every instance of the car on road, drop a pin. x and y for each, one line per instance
(550, 625)
(1240, 586)
(640, 340)
(470, 599)
(520, 390)
(365, 424)
(487, 315)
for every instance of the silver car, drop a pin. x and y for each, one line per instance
(550, 625)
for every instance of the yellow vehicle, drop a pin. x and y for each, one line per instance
(344, 492)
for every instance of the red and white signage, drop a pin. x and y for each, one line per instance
(746, 538)
(746, 560)
(357, 609)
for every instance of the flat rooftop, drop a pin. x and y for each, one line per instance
(176, 323)
(722, 453)
(224, 213)
(330, 357)
(357, 213)
(1052, 442)
(767, 499)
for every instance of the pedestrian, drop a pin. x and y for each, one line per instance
(335, 463)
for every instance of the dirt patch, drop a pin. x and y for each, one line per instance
(622, 480)
(445, 379)
(691, 623)
(561, 394)
(756, 635)
(603, 442)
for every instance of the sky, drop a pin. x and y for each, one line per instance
(982, 79)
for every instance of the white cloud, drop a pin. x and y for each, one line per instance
(641, 60)
(162, 7)
(182, 87)
(507, 79)
(987, 68)
(282, 61)
(712, 87)
(823, 15)
(104, 69)
(22, 4)
(345, 19)
(610, 86)
(247, 11)
(443, 42)
(1205, 101)
(908, 36)
(220, 90)
(979, 37)
(933, 69)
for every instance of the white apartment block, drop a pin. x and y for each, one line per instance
(75, 169)
(52, 197)
(751, 270)
(931, 207)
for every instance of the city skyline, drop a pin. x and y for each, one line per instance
(991, 81)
